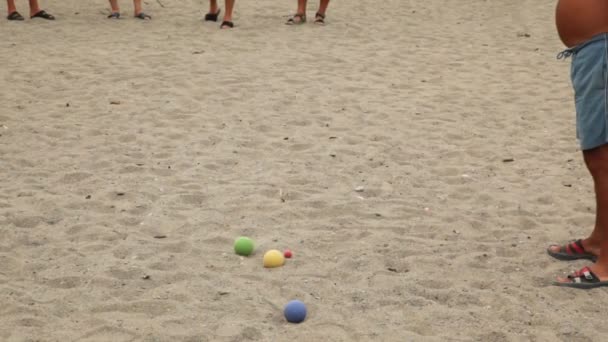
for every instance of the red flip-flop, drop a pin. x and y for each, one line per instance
(571, 251)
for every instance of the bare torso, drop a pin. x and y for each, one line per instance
(579, 20)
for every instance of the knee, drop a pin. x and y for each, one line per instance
(597, 160)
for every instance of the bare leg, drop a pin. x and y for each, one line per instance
(323, 7)
(597, 163)
(11, 6)
(228, 14)
(592, 244)
(301, 7)
(114, 6)
(137, 7)
(34, 7)
(213, 6)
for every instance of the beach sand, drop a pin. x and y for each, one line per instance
(132, 154)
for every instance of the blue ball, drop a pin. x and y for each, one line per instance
(295, 311)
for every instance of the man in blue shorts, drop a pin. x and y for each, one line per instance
(583, 28)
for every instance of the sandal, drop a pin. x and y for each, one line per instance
(319, 19)
(584, 279)
(42, 14)
(143, 16)
(227, 24)
(301, 19)
(572, 251)
(114, 15)
(15, 16)
(212, 16)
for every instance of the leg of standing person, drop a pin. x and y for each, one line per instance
(596, 274)
(12, 11)
(227, 22)
(36, 12)
(320, 15)
(138, 11)
(34, 7)
(214, 11)
(11, 6)
(597, 164)
(590, 84)
(115, 10)
(300, 16)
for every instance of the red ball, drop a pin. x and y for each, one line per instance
(287, 253)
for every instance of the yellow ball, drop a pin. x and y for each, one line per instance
(273, 258)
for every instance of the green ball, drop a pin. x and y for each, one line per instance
(243, 246)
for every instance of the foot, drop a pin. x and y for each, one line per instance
(114, 15)
(296, 19)
(320, 18)
(226, 24)
(587, 278)
(42, 14)
(579, 249)
(212, 16)
(143, 16)
(15, 16)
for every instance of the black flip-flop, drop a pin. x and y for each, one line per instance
(42, 14)
(228, 24)
(143, 16)
(319, 19)
(571, 251)
(15, 16)
(584, 279)
(213, 16)
(292, 20)
(114, 15)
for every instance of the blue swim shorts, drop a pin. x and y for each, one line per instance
(589, 76)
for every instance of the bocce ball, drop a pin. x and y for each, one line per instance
(243, 246)
(273, 258)
(295, 311)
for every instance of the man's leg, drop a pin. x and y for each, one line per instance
(137, 8)
(597, 163)
(213, 6)
(228, 13)
(34, 7)
(11, 6)
(323, 7)
(114, 6)
(302, 7)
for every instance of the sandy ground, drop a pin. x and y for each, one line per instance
(454, 116)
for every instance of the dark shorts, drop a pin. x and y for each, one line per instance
(590, 82)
